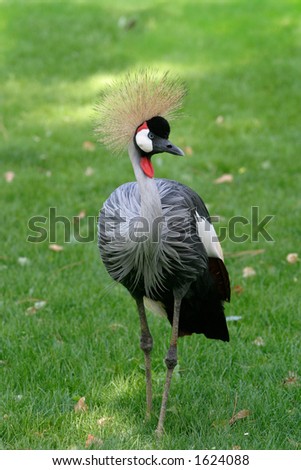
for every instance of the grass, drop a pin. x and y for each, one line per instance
(240, 60)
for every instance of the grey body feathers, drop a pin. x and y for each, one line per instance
(160, 258)
(149, 251)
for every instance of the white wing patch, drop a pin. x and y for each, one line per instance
(209, 238)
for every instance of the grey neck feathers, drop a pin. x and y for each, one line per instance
(151, 208)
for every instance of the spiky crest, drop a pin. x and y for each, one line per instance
(129, 102)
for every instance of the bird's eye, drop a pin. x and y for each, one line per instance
(151, 135)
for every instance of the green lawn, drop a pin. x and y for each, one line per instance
(241, 61)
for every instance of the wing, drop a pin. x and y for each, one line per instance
(221, 276)
(209, 238)
(214, 251)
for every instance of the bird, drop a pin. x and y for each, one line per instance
(155, 235)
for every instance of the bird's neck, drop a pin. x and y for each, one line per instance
(151, 208)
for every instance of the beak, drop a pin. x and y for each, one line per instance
(163, 145)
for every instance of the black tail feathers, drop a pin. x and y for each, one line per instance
(202, 310)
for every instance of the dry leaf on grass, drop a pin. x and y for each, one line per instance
(30, 311)
(81, 406)
(226, 178)
(240, 415)
(55, 247)
(291, 379)
(81, 215)
(188, 150)
(89, 146)
(9, 176)
(92, 440)
(259, 341)
(89, 171)
(35, 307)
(238, 289)
(23, 261)
(103, 421)
(248, 271)
(292, 258)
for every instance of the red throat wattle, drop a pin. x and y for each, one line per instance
(147, 167)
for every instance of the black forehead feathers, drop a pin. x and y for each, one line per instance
(159, 126)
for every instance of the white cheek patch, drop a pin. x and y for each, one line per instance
(143, 141)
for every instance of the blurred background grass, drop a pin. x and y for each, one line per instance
(241, 62)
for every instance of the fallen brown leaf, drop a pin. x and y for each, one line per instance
(103, 421)
(259, 341)
(9, 176)
(55, 247)
(291, 379)
(219, 120)
(89, 171)
(81, 406)
(31, 311)
(226, 178)
(89, 146)
(81, 215)
(248, 271)
(38, 305)
(238, 289)
(240, 415)
(188, 150)
(292, 258)
(92, 440)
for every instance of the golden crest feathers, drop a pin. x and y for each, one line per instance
(129, 102)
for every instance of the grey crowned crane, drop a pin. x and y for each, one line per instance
(155, 235)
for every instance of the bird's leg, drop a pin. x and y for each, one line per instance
(146, 344)
(171, 362)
